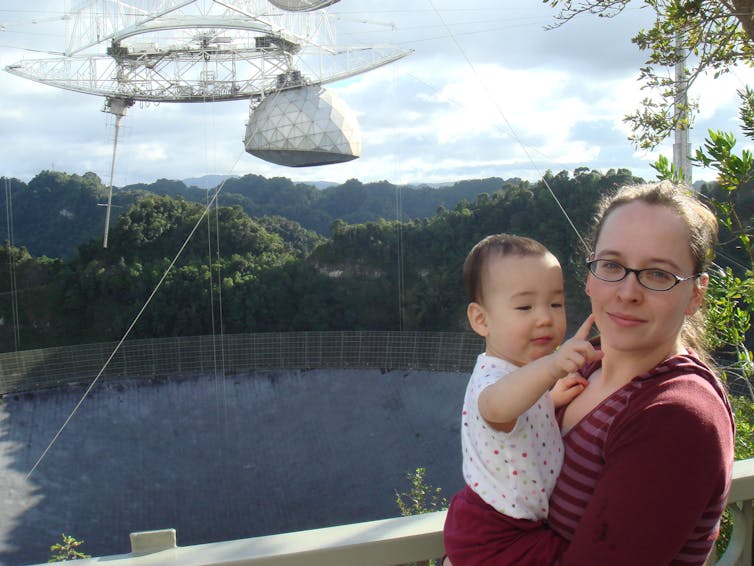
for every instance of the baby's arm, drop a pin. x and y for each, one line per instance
(501, 403)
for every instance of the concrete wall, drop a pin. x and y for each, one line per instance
(221, 458)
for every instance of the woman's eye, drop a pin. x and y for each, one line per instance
(660, 276)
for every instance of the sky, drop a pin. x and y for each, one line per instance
(487, 91)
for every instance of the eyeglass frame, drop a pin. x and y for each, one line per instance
(638, 272)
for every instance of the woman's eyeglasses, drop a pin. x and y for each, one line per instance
(653, 279)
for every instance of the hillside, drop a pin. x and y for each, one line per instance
(267, 273)
(56, 212)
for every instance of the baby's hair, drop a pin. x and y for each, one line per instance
(496, 245)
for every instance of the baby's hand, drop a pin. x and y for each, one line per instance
(574, 353)
(566, 389)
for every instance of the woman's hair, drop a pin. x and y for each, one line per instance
(701, 225)
(496, 245)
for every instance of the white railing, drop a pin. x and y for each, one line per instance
(377, 543)
(739, 551)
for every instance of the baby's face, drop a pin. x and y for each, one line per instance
(523, 300)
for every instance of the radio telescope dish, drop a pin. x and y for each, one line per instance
(303, 127)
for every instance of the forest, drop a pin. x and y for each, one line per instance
(271, 254)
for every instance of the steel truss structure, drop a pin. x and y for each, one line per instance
(194, 51)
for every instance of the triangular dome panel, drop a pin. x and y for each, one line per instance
(309, 125)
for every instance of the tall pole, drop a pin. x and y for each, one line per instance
(682, 146)
(118, 107)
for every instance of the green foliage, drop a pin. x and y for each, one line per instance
(300, 240)
(729, 310)
(67, 549)
(733, 170)
(421, 496)
(743, 410)
(421, 261)
(667, 170)
(273, 275)
(746, 111)
(56, 212)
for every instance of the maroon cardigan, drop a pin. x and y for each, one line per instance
(647, 472)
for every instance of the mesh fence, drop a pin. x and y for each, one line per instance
(235, 353)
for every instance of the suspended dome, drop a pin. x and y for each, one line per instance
(303, 127)
(301, 5)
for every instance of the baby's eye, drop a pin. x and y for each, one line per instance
(557, 305)
(524, 308)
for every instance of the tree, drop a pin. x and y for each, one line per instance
(422, 497)
(718, 35)
(67, 549)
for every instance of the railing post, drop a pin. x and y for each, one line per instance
(739, 550)
(748, 511)
(146, 542)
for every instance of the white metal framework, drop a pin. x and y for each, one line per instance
(199, 51)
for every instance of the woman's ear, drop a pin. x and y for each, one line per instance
(697, 296)
(477, 319)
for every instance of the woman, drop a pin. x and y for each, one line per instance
(649, 443)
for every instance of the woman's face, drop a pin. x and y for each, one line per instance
(632, 318)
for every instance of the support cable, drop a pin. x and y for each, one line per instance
(219, 288)
(12, 265)
(507, 122)
(131, 326)
(399, 231)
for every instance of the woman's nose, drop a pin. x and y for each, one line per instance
(629, 288)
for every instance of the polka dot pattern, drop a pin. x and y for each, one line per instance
(514, 472)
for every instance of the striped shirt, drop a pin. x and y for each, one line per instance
(647, 472)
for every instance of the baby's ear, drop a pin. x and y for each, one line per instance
(477, 319)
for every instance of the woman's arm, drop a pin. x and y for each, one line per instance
(666, 465)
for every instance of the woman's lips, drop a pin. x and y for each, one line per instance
(626, 320)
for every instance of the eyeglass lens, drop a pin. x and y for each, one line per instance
(655, 279)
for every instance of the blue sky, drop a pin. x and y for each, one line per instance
(486, 92)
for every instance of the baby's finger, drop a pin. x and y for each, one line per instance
(575, 378)
(583, 332)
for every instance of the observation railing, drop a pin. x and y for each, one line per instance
(402, 540)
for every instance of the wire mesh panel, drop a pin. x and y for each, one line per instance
(233, 353)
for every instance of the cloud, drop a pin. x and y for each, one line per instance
(487, 92)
